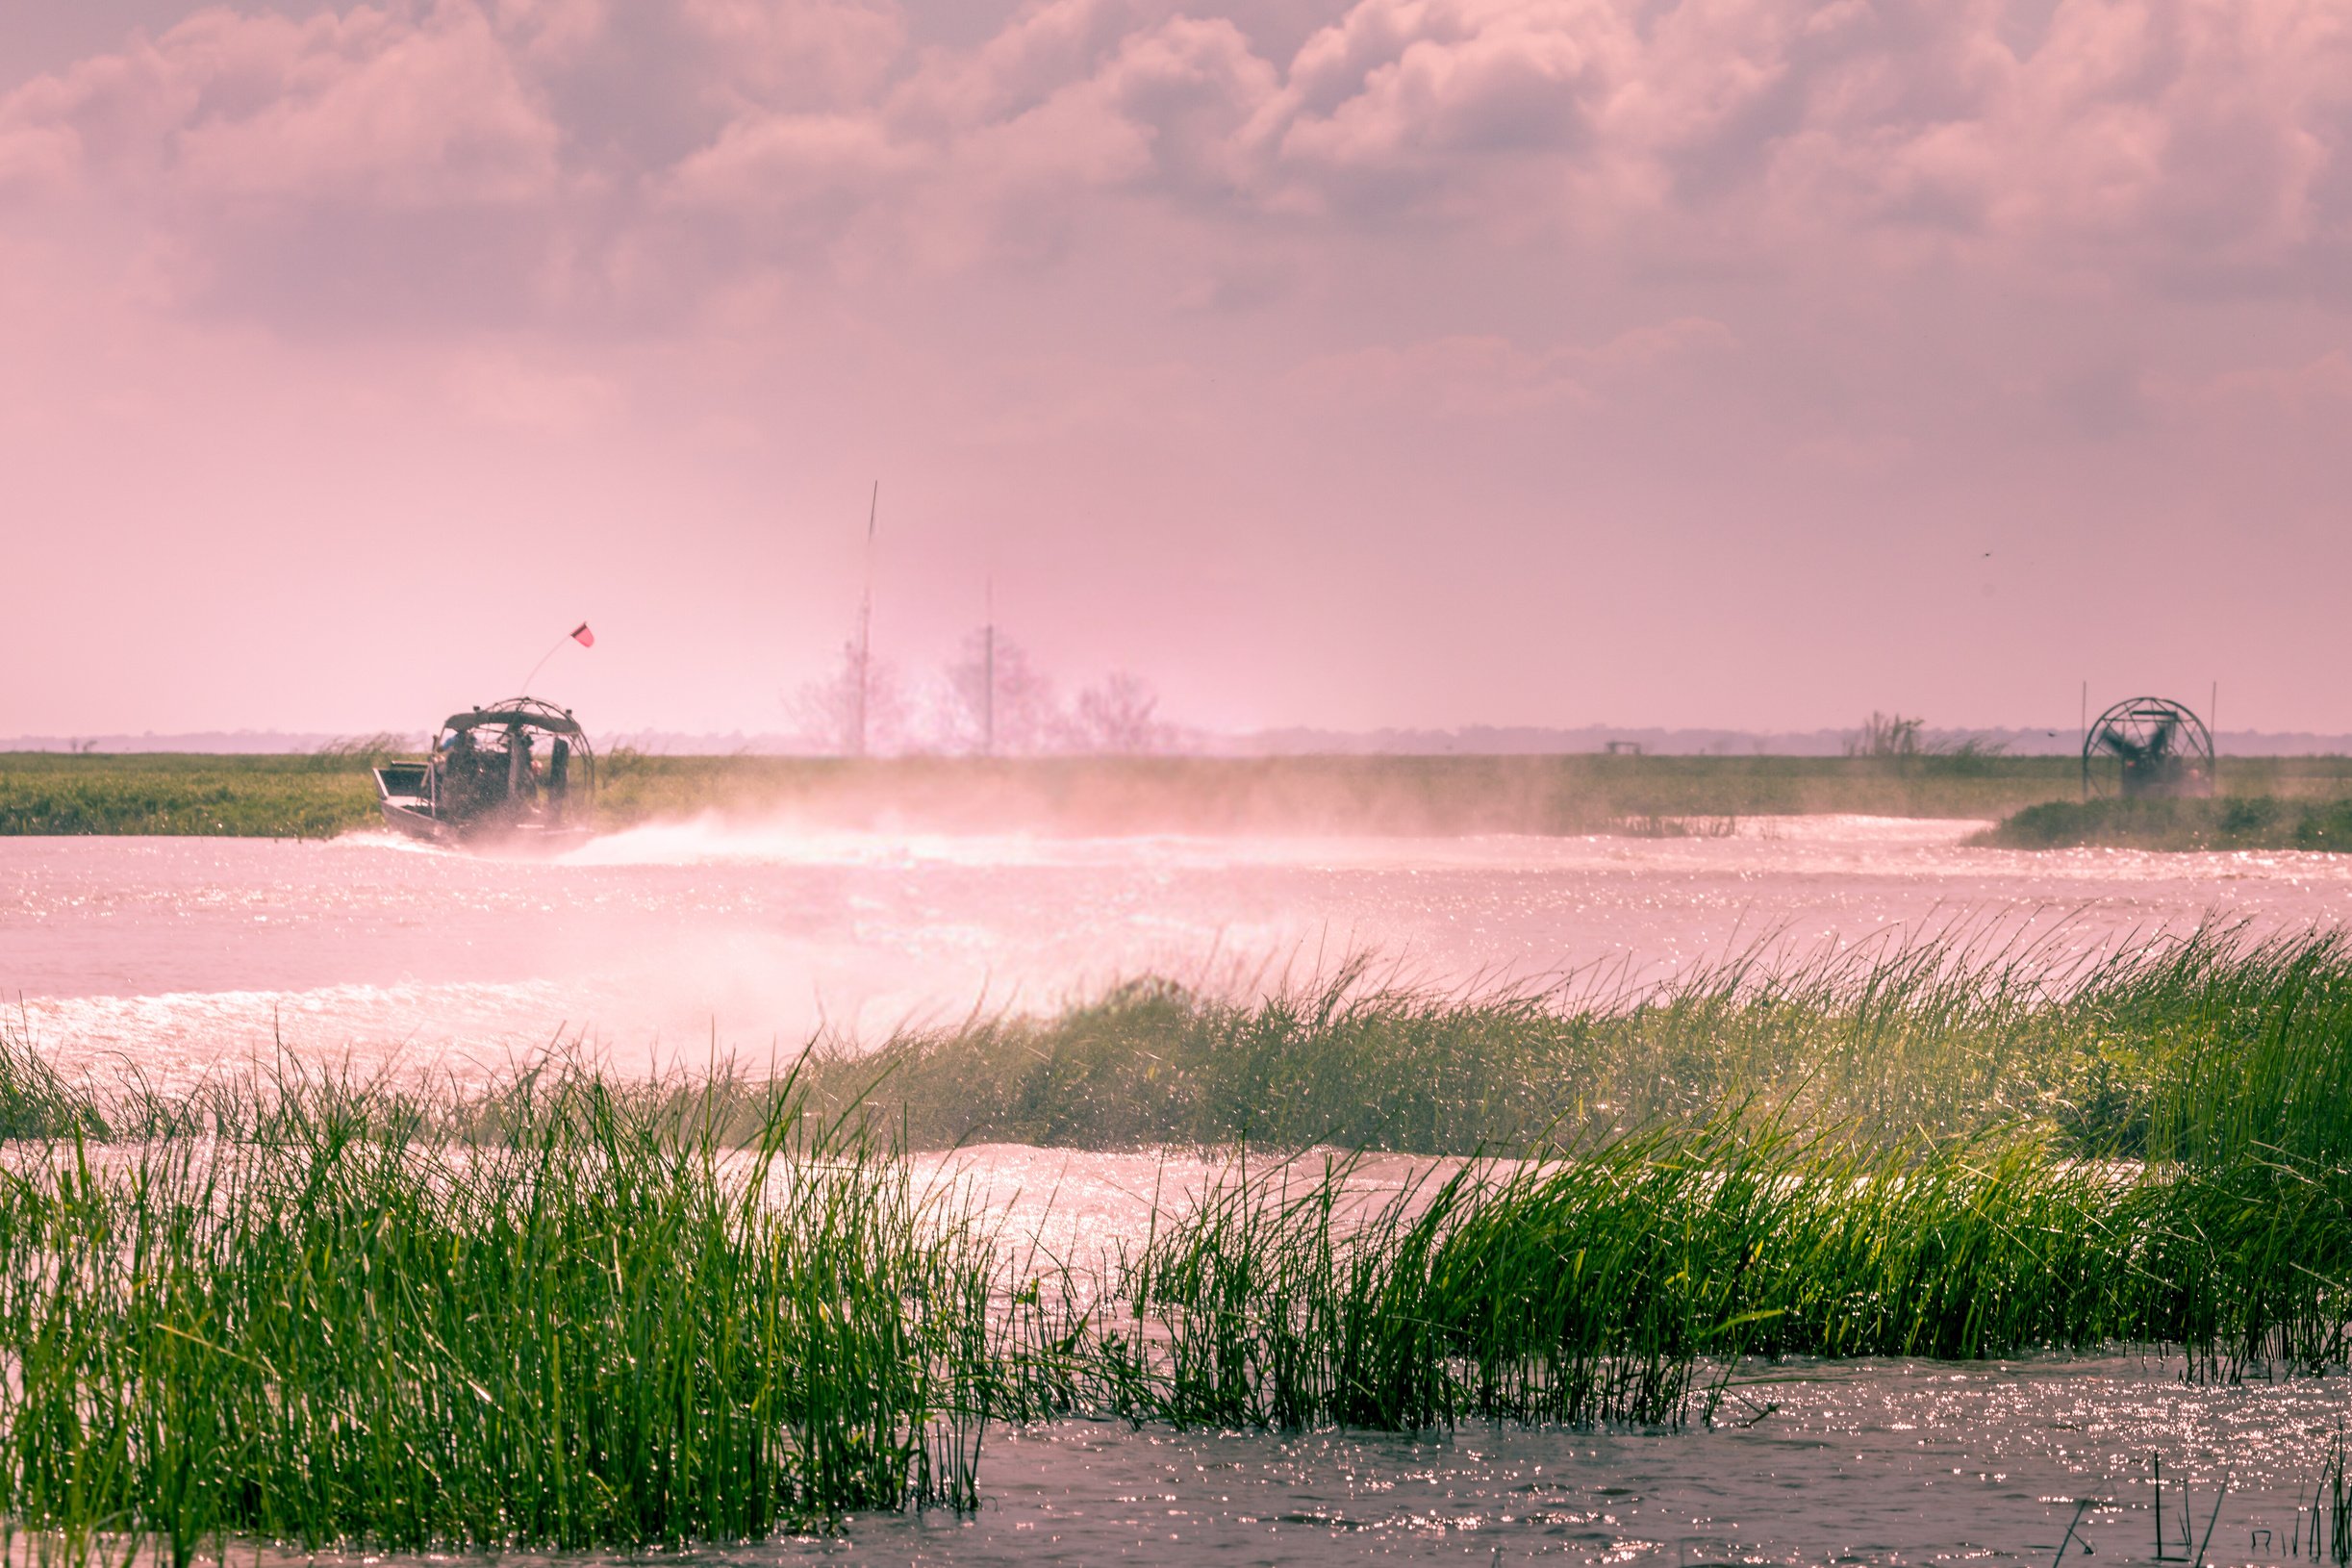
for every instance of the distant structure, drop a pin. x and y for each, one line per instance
(865, 633)
(2147, 748)
(1623, 749)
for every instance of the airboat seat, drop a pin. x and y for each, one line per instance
(401, 780)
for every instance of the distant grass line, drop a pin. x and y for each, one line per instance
(235, 796)
(321, 795)
(1379, 795)
(330, 792)
(570, 1312)
(2238, 822)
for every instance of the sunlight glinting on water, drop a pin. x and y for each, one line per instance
(671, 942)
(179, 958)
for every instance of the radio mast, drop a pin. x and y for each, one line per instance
(865, 631)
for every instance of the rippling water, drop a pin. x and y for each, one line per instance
(183, 955)
(668, 940)
(1877, 1462)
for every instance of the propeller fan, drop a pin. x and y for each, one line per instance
(2148, 745)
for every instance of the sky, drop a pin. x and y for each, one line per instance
(1343, 363)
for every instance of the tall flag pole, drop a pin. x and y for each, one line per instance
(865, 628)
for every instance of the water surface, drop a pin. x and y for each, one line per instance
(673, 941)
(182, 957)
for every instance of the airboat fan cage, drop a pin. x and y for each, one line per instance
(2147, 746)
(530, 713)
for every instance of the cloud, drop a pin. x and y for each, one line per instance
(1404, 96)
(1761, 294)
(2179, 143)
(374, 109)
(524, 158)
(2317, 390)
(1486, 376)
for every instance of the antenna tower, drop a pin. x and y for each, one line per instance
(865, 632)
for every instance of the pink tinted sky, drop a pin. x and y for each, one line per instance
(1747, 362)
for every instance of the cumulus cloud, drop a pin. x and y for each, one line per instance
(1406, 96)
(1210, 296)
(2183, 145)
(374, 109)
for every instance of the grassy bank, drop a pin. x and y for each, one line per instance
(2238, 822)
(242, 796)
(1439, 796)
(316, 796)
(2271, 799)
(566, 1311)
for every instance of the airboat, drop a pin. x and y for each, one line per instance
(2158, 749)
(517, 772)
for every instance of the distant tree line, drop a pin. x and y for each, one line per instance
(986, 701)
(1890, 735)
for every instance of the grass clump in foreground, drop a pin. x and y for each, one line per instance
(601, 1327)
(574, 1312)
(1627, 1281)
(2231, 822)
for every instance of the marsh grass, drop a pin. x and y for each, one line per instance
(307, 795)
(1943, 1035)
(329, 791)
(1955, 1149)
(2230, 821)
(1433, 796)
(1947, 1150)
(605, 1327)
(35, 1101)
(570, 1312)
(1628, 1282)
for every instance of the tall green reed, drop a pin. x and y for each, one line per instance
(609, 1326)
(1625, 1280)
(1962, 1030)
(573, 1311)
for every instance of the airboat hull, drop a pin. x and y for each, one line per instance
(527, 837)
(417, 825)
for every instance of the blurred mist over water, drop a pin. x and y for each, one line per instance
(683, 938)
